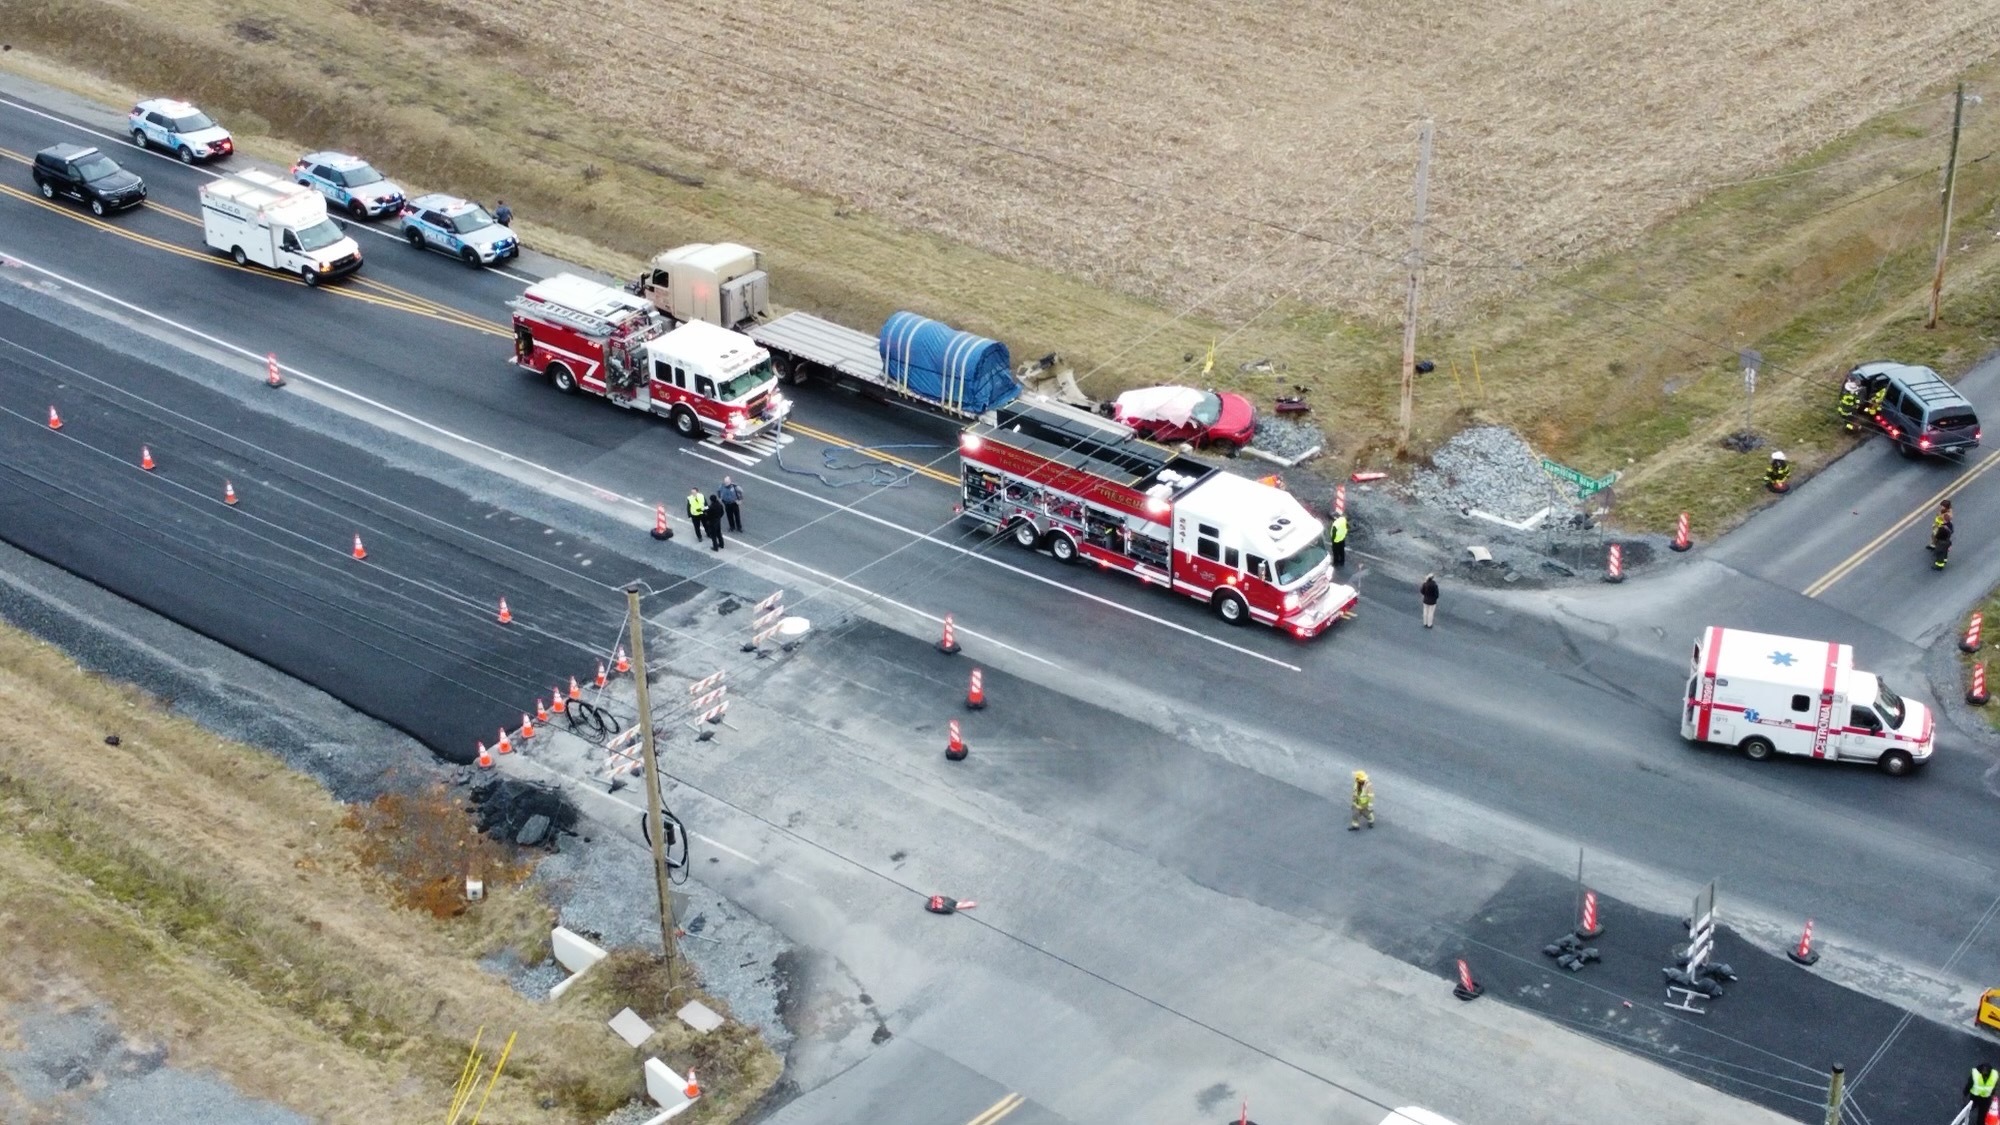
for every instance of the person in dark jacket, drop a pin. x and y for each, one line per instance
(1941, 543)
(713, 519)
(731, 495)
(503, 214)
(1429, 590)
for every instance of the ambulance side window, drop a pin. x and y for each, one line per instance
(1864, 718)
(1205, 543)
(1801, 703)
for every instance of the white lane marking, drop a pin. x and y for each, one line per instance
(599, 491)
(1009, 567)
(722, 847)
(126, 140)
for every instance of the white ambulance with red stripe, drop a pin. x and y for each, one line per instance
(1781, 695)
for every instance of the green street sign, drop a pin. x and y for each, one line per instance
(1586, 485)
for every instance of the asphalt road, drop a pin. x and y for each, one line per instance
(1521, 728)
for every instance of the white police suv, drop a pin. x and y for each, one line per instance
(350, 182)
(179, 128)
(464, 230)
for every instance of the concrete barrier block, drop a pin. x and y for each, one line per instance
(572, 951)
(667, 1089)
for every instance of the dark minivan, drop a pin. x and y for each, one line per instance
(1922, 413)
(89, 176)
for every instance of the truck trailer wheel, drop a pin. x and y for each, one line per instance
(1897, 763)
(685, 423)
(564, 380)
(1757, 749)
(791, 369)
(1026, 534)
(1062, 547)
(237, 255)
(1229, 606)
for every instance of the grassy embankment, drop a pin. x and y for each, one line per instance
(228, 907)
(1625, 363)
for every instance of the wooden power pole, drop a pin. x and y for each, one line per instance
(1410, 304)
(655, 824)
(1950, 181)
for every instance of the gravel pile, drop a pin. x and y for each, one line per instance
(1286, 437)
(76, 1066)
(1493, 470)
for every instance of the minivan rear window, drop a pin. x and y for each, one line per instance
(1954, 418)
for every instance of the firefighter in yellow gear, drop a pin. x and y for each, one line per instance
(1778, 477)
(1363, 803)
(1850, 401)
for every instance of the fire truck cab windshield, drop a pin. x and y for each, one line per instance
(1301, 564)
(730, 390)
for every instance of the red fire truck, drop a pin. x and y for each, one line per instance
(601, 339)
(1088, 488)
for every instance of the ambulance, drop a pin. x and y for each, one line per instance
(1780, 695)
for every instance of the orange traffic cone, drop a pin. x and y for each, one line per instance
(955, 749)
(527, 727)
(55, 420)
(660, 528)
(542, 711)
(624, 664)
(271, 376)
(228, 494)
(146, 458)
(692, 1090)
(360, 552)
(506, 615)
(503, 746)
(556, 703)
(574, 691)
(1993, 1112)
(485, 757)
(600, 673)
(975, 692)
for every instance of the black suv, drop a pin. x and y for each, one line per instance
(1921, 412)
(89, 176)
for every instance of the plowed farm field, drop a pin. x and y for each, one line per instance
(1178, 150)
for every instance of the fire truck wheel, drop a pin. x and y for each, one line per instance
(1896, 763)
(564, 381)
(1229, 606)
(1026, 534)
(1062, 547)
(685, 423)
(1757, 749)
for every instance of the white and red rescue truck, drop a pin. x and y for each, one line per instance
(603, 340)
(1089, 488)
(1781, 695)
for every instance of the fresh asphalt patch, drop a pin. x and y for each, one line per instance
(1771, 1038)
(409, 635)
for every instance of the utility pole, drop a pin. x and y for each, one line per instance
(1416, 275)
(655, 823)
(1834, 1090)
(1950, 181)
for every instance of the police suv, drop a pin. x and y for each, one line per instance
(464, 230)
(350, 182)
(179, 128)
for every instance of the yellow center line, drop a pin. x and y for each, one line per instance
(998, 1110)
(1868, 550)
(844, 443)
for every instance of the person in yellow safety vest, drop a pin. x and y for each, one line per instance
(1777, 478)
(1983, 1082)
(1938, 521)
(1364, 803)
(1850, 401)
(1336, 534)
(697, 511)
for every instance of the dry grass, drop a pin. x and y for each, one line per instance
(212, 897)
(1622, 194)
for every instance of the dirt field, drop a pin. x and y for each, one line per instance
(1164, 150)
(1622, 195)
(221, 906)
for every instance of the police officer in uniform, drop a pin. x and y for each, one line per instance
(1363, 803)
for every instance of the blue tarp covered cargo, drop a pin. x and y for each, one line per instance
(957, 370)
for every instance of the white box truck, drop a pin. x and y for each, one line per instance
(1780, 695)
(256, 217)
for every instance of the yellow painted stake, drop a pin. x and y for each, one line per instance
(497, 1067)
(1458, 385)
(467, 1074)
(1477, 381)
(1208, 365)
